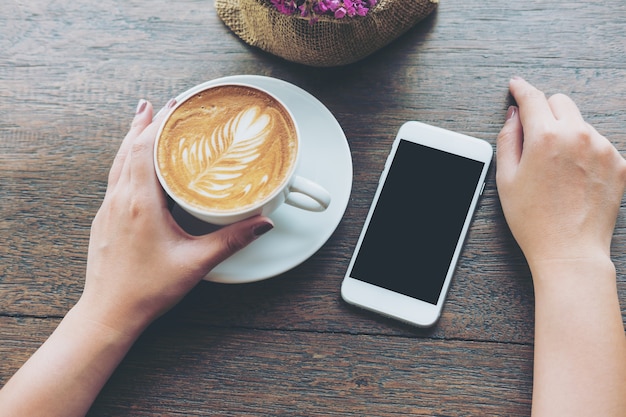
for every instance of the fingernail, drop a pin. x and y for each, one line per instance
(141, 106)
(171, 103)
(262, 229)
(510, 112)
(517, 78)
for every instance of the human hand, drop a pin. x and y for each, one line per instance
(560, 182)
(140, 261)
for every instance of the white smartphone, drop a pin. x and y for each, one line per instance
(413, 234)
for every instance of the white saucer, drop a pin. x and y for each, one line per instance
(297, 233)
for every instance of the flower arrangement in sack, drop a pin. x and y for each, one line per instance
(322, 33)
(313, 9)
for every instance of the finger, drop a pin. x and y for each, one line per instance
(564, 109)
(509, 145)
(214, 248)
(611, 149)
(161, 113)
(141, 160)
(143, 117)
(534, 110)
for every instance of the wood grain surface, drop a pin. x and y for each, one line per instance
(71, 74)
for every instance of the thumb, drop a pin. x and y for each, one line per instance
(509, 146)
(216, 247)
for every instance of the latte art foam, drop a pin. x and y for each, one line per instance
(227, 148)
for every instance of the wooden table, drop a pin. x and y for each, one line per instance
(70, 76)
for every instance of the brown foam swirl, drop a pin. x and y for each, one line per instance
(227, 148)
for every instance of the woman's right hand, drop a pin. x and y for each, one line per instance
(560, 182)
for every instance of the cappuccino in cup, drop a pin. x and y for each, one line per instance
(230, 151)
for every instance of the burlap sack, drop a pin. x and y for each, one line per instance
(329, 42)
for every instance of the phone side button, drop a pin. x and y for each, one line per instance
(482, 188)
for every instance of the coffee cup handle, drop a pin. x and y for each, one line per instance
(307, 195)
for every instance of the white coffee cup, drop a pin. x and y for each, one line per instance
(228, 151)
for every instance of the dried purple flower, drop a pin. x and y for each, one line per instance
(313, 9)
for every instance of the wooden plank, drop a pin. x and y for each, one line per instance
(182, 369)
(203, 370)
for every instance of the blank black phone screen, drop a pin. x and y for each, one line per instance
(417, 221)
